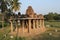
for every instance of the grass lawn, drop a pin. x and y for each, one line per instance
(52, 33)
(4, 35)
(52, 24)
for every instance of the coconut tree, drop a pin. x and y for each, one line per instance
(15, 6)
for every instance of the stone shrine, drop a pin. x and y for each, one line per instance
(27, 24)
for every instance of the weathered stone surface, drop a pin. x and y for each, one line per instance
(26, 23)
(30, 11)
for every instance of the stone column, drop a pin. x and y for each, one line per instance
(37, 24)
(23, 26)
(29, 27)
(40, 22)
(33, 24)
(11, 26)
(43, 23)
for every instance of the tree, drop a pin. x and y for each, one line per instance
(52, 16)
(16, 5)
(57, 17)
(49, 16)
(3, 6)
(13, 5)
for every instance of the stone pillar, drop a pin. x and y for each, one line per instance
(11, 26)
(40, 22)
(29, 27)
(33, 24)
(37, 24)
(43, 23)
(23, 26)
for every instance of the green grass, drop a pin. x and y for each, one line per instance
(45, 36)
(4, 35)
(50, 34)
(53, 23)
(3, 32)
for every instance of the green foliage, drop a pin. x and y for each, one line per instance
(52, 16)
(5, 5)
(5, 24)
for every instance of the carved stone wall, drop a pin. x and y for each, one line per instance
(29, 26)
(30, 11)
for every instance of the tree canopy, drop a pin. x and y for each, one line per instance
(9, 4)
(52, 16)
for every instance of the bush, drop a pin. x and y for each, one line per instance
(5, 24)
(0, 25)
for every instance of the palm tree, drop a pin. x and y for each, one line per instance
(13, 5)
(16, 5)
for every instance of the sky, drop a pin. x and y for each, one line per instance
(40, 6)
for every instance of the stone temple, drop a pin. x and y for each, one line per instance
(28, 24)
